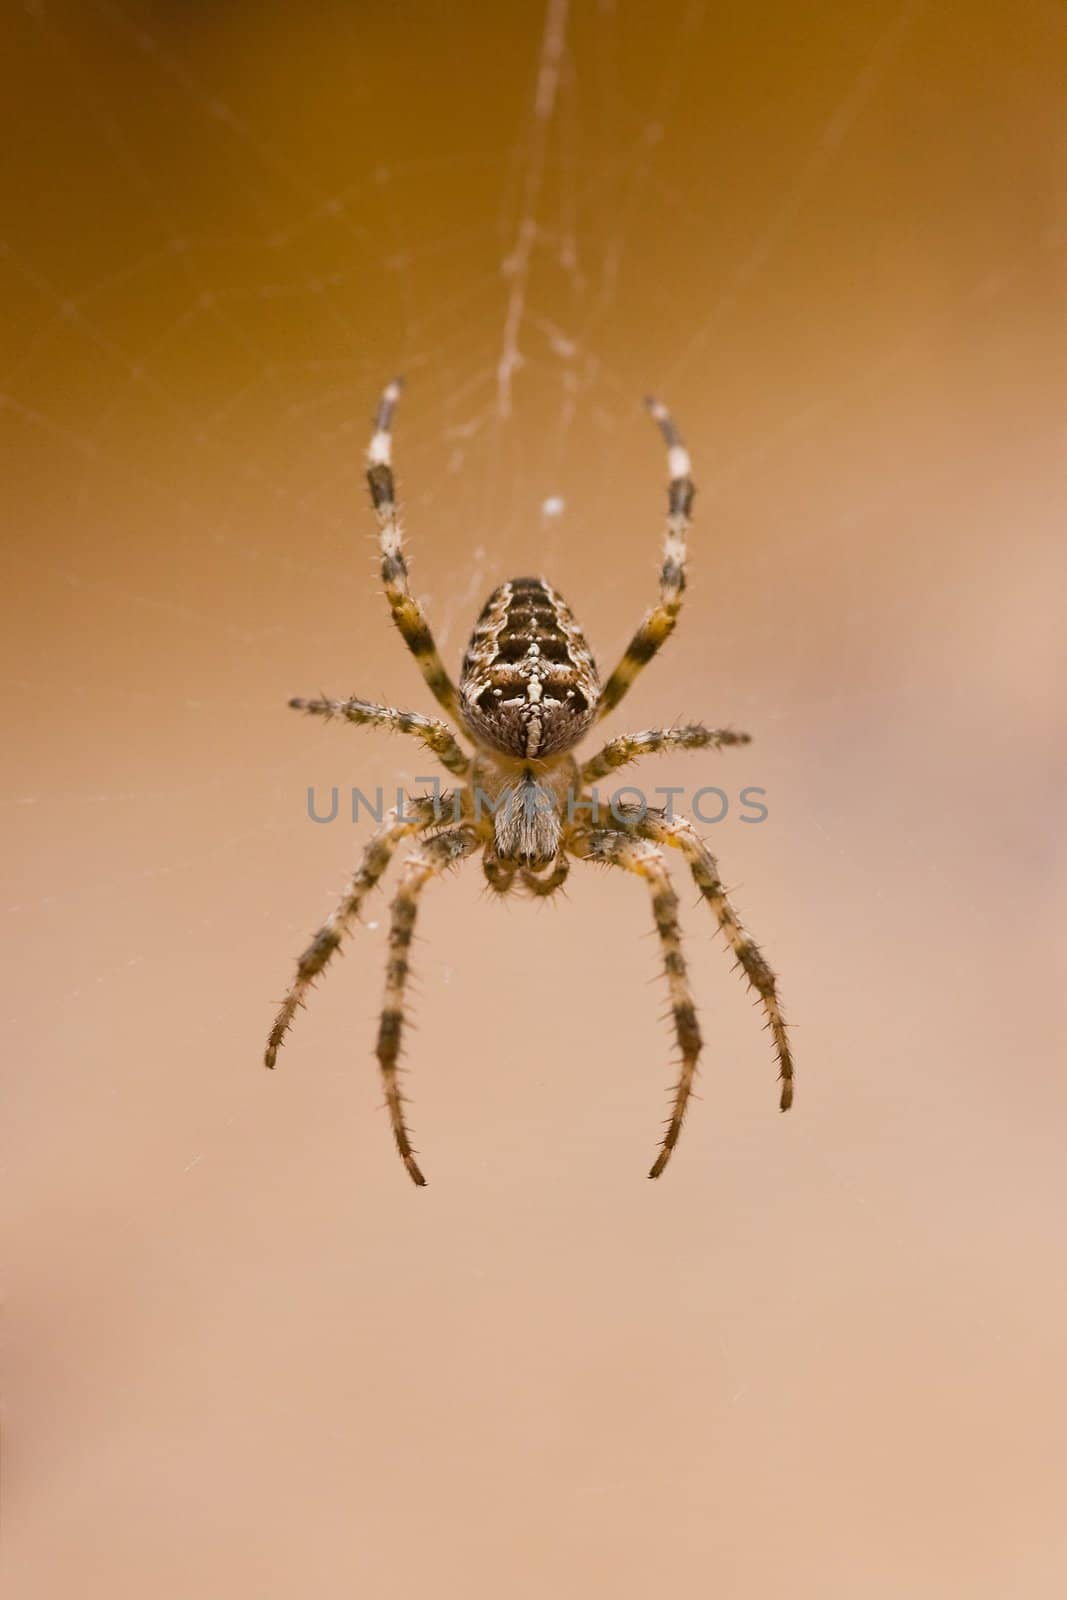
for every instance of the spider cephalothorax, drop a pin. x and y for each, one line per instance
(528, 693)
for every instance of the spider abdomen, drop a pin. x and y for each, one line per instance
(529, 684)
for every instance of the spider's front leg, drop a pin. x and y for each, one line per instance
(435, 734)
(428, 860)
(422, 813)
(623, 849)
(659, 624)
(407, 613)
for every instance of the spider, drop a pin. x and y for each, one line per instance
(528, 693)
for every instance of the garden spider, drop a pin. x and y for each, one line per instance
(528, 693)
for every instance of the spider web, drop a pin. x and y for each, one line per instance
(231, 233)
(832, 239)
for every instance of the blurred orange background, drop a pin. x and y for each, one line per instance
(823, 1357)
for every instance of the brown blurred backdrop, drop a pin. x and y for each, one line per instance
(824, 1356)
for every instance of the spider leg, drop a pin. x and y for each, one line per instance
(629, 746)
(434, 733)
(643, 858)
(681, 834)
(428, 860)
(658, 625)
(423, 813)
(407, 613)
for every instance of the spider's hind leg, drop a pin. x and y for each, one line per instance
(681, 834)
(423, 813)
(430, 858)
(643, 858)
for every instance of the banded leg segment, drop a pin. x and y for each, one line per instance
(435, 734)
(407, 613)
(681, 835)
(432, 857)
(630, 746)
(660, 622)
(643, 858)
(422, 813)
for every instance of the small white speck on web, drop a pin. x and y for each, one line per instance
(554, 506)
(373, 927)
(195, 1162)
